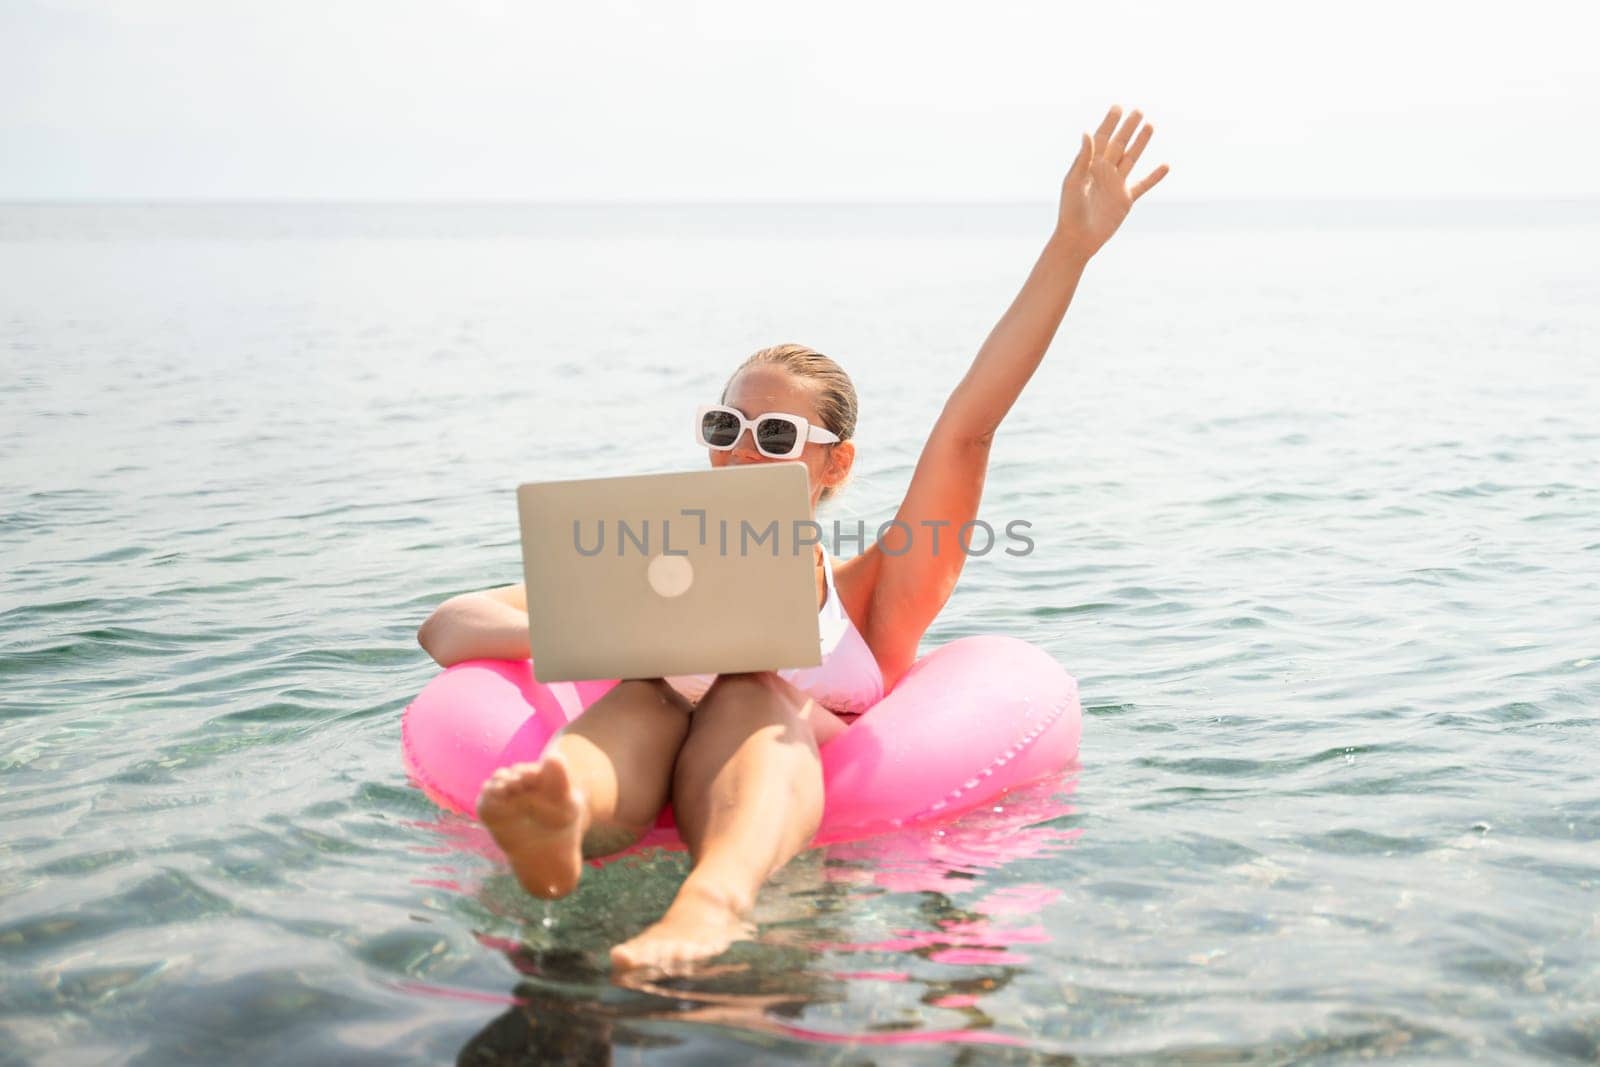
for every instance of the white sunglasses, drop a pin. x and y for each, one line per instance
(777, 434)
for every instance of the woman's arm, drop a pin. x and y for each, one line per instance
(489, 625)
(1095, 198)
(912, 586)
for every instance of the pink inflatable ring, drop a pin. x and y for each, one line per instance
(968, 722)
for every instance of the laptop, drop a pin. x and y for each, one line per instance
(699, 572)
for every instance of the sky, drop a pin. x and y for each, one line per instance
(833, 100)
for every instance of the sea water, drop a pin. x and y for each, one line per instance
(1314, 492)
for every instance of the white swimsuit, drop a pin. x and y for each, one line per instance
(847, 681)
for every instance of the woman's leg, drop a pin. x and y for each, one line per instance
(747, 796)
(599, 786)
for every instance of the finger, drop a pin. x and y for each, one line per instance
(1080, 165)
(1149, 181)
(1119, 143)
(1102, 135)
(1129, 158)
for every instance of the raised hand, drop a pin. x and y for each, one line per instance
(1096, 196)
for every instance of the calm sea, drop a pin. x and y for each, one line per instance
(1315, 491)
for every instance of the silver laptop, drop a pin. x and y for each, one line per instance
(703, 572)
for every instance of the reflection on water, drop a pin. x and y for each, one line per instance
(829, 952)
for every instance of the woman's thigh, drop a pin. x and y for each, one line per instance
(761, 693)
(638, 710)
(749, 775)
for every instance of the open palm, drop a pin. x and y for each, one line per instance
(1096, 196)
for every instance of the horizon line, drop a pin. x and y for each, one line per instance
(283, 201)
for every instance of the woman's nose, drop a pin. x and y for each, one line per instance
(744, 449)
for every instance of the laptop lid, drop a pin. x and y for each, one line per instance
(699, 572)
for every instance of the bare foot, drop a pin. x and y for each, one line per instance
(538, 818)
(699, 924)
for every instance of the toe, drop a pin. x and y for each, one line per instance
(552, 782)
(631, 954)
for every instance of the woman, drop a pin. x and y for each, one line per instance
(741, 766)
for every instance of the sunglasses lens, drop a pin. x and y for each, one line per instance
(719, 428)
(776, 437)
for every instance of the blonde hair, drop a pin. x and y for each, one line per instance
(836, 398)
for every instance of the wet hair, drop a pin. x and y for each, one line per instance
(836, 397)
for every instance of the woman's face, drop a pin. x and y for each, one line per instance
(763, 388)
